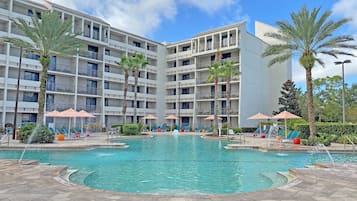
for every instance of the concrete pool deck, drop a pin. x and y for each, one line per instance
(32, 181)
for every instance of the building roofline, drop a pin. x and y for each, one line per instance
(220, 29)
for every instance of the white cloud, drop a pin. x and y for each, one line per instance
(209, 6)
(141, 17)
(330, 68)
(347, 9)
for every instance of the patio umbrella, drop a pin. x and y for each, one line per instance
(259, 116)
(53, 113)
(84, 114)
(211, 118)
(285, 115)
(171, 117)
(150, 117)
(69, 113)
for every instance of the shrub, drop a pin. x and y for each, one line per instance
(346, 139)
(130, 129)
(41, 134)
(327, 128)
(237, 130)
(323, 138)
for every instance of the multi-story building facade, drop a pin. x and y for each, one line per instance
(174, 81)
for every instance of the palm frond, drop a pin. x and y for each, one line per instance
(279, 59)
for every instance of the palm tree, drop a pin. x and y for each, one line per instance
(228, 70)
(214, 73)
(49, 36)
(309, 36)
(139, 62)
(126, 64)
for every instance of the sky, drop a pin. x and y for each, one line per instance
(175, 20)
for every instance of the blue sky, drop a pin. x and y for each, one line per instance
(175, 20)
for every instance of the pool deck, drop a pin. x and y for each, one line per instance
(31, 181)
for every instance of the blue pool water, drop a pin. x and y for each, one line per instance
(177, 165)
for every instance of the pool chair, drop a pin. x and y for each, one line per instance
(187, 128)
(178, 127)
(154, 128)
(199, 128)
(289, 137)
(52, 130)
(208, 129)
(163, 128)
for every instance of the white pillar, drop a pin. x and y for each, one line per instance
(82, 26)
(205, 43)
(100, 32)
(5, 84)
(73, 18)
(91, 30)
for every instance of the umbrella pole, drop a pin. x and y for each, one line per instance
(150, 126)
(260, 127)
(81, 126)
(286, 129)
(69, 127)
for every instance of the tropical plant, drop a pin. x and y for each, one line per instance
(228, 70)
(139, 62)
(214, 73)
(126, 64)
(309, 36)
(48, 36)
(288, 100)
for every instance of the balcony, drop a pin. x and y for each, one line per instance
(188, 112)
(184, 54)
(23, 107)
(111, 59)
(115, 77)
(89, 54)
(118, 44)
(25, 85)
(91, 108)
(112, 110)
(113, 93)
(151, 68)
(187, 83)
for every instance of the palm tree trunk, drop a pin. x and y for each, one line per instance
(135, 94)
(310, 104)
(228, 104)
(126, 83)
(215, 129)
(45, 62)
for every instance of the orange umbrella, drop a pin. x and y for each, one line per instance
(150, 117)
(53, 113)
(84, 114)
(171, 117)
(259, 116)
(211, 118)
(285, 115)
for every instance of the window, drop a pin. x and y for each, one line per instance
(185, 62)
(93, 52)
(148, 47)
(28, 118)
(96, 33)
(212, 91)
(107, 52)
(107, 68)
(185, 48)
(185, 76)
(53, 63)
(174, 64)
(91, 104)
(32, 56)
(223, 104)
(50, 102)
(137, 44)
(212, 105)
(92, 69)
(106, 85)
(185, 91)
(226, 55)
(30, 97)
(51, 82)
(137, 104)
(185, 105)
(29, 13)
(31, 76)
(106, 102)
(91, 87)
(186, 120)
(223, 88)
(224, 41)
(209, 44)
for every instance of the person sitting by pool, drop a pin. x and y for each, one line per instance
(159, 129)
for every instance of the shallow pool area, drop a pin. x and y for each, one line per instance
(177, 165)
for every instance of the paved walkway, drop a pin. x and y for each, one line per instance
(44, 183)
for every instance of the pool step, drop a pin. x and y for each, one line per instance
(240, 146)
(276, 178)
(80, 176)
(290, 177)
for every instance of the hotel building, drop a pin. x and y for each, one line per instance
(174, 81)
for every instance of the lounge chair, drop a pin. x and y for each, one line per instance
(291, 136)
(163, 128)
(187, 128)
(199, 128)
(208, 129)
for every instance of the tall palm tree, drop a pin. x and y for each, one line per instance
(48, 36)
(126, 64)
(228, 70)
(309, 36)
(214, 73)
(139, 62)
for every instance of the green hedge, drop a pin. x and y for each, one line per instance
(337, 129)
(41, 134)
(130, 129)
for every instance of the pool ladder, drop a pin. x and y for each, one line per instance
(353, 144)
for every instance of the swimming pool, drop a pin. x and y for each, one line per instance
(177, 165)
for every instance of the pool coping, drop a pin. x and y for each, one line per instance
(42, 182)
